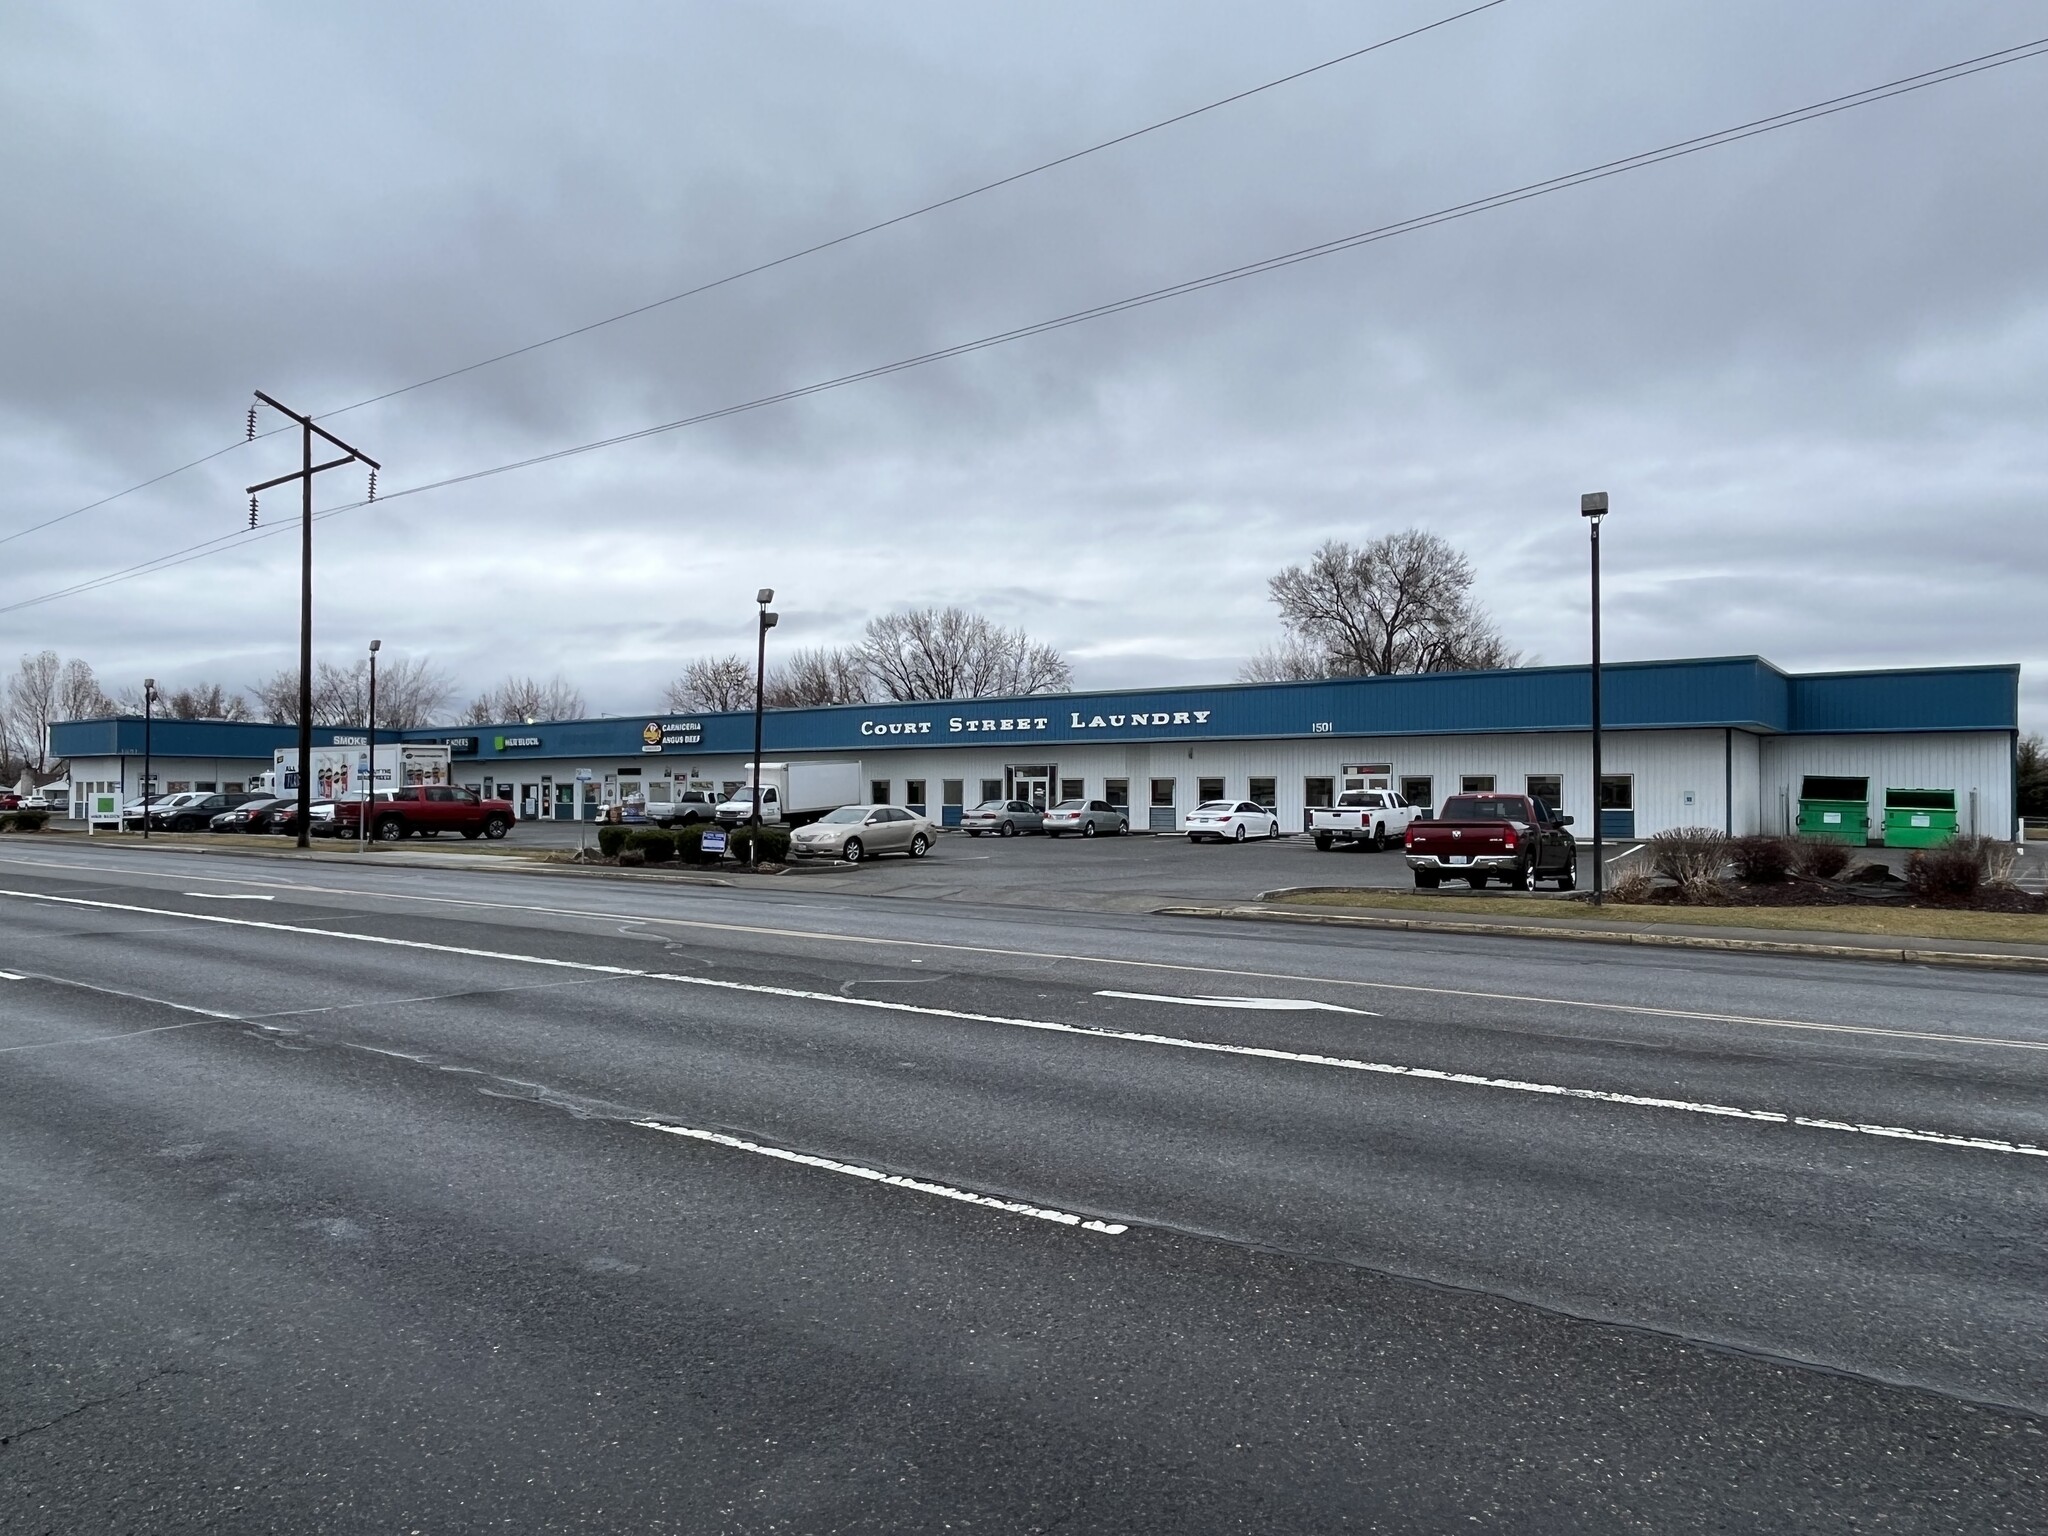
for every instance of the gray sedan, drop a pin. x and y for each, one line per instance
(856, 832)
(1086, 817)
(1005, 818)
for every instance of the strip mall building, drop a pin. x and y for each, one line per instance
(1729, 742)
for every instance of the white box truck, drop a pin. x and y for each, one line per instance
(339, 772)
(792, 793)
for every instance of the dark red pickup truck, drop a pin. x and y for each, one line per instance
(426, 809)
(1476, 837)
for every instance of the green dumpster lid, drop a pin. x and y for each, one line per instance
(1919, 799)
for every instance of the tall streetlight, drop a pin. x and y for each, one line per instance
(148, 720)
(370, 732)
(1593, 507)
(768, 620)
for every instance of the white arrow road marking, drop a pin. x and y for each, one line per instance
(227, 896)
(1087, 1031)
(9, 976)
(1268, 1004)
(854, 1170)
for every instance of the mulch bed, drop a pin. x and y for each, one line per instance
(1805, 891)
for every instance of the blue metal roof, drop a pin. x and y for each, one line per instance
(1745, 692)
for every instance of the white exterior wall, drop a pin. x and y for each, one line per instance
(1963, 761)
(88, 772)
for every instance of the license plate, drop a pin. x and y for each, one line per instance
(1457, 858)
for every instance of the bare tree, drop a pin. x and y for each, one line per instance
(79, 696)
(1290, 660)
(31, 707)
(1399, 603)
(204, 701)
(818, 675)
(527, 698)
(949, 653)
(411, 692)
(712, 685)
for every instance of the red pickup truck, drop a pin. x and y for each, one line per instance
(1479, 836)
(425, 809)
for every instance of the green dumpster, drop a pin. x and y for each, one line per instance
(1919, 818)
(1835, 808)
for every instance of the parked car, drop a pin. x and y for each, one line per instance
(284, 816)
(1231, 821)
(856, 832)
(1005, 818)
(195, 815)
(424, 809)
(1087, 817)
(1374, 817)
(1477, 837)
(244, 817)
(9, 800)
(34, 803)
(158, 805)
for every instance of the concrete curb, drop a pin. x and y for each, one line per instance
(1884, 952)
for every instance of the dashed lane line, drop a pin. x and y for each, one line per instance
(1176, 1042)
(1641, 1010)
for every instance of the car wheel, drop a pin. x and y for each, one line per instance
(1087, 829)
(390, 830)
(1568, 881)
(1009, 829)
(1273, 828)
(1521, 880)
(1238, 836)
(1123, 829)
(1049, 832)
(1425, 881)
(853, 853)
(1477, 882)
(496, 827)
(1379, 838)
(1323, 842)
(920, 845)
(974, 834)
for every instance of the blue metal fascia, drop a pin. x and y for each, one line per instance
(1925, 699)
(122, 736)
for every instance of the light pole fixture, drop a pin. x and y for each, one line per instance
(768, 621)
(370, 734)
(148, 720)
(1593, 507)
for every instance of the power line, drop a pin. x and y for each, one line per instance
(1812, 112)
(779, 261)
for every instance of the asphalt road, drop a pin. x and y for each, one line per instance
(343, 1199)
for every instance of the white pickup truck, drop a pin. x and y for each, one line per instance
(1375, 817)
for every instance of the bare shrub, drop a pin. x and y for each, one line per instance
(1688, 855)
(2000, 860)
(1760, 859)
(1953, 872)
(1821, 857)
(1632, 886)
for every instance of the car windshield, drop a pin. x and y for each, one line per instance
(845, 814)
(1481, 808)
(744, 795)
(1217, 805)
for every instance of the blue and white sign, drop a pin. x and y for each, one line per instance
(714, 842)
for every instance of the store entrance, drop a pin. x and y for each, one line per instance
(1033, 784)
(1367, 776)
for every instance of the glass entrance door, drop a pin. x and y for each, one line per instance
(1033, 785)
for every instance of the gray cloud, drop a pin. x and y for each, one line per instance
(1810, 367)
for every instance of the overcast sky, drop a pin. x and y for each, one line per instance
(1811, 369)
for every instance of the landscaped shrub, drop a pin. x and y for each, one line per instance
(1689, 855)
(1821, 857)
(1632, 886)
(611, 839)
(1761, 859)
(774, 844)
(29, 821)
(631, 858)
(6, 821)
(690, 843)
(651, 843)
(1953, 872)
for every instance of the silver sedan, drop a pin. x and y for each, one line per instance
(1086, 817)
(1005, 818)
(856, 832)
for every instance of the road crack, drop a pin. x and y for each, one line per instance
(12, 1436)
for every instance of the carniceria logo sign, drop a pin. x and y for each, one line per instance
(656, 735)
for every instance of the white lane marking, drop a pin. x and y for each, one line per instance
(227, 896)
(10, 976)
(1216, 1047)
(855, 1170)
(205, 1015)
(758, 930)
(1264, 1004)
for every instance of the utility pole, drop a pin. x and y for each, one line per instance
(1593, 507)
(304, 475)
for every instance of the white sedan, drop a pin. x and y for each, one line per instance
(1231, 820)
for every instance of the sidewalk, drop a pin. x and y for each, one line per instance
(1603, 930)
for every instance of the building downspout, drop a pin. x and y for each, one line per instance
(1728, 775)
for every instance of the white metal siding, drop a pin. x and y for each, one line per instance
(1962, 761)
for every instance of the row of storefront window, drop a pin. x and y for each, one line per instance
(1617, 790)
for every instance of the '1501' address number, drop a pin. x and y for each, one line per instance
(1323, 727)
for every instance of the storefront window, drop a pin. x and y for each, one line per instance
(1419, 791)
(1617, 792)
(1315, 792)
(1547, 787)
(1476, 784)
(1162, 792)
(1265, 792)
(1209, 789)
(878, 792)
(1071, 789)
(1117, 792)
(913, 795)
(992, 789)
(951, 791)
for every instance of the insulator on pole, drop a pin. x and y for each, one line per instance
(252, 424)
(252, 511)
(373, 485)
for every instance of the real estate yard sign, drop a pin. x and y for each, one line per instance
(101, 811)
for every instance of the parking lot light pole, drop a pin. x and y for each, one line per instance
(768, 621)
(148, 719)
(370, 733)
(1593, 507)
